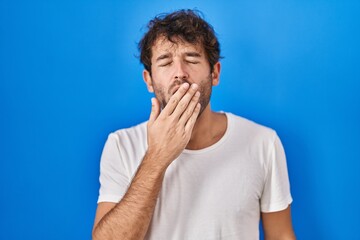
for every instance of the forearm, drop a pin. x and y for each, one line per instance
(131, 217)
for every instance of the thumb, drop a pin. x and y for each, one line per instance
(155, 110)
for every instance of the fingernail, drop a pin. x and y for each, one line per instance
(185, 85)
(194, 86)
(197, 94)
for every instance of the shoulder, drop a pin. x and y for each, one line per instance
(249, 129)
(132, 133)
(132, 139)
(126, 147)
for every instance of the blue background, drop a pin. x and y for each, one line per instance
(69, 76)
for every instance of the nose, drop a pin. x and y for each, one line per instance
(180, 72)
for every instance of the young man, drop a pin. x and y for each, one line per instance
(189, 172)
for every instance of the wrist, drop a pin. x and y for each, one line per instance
(156, 161)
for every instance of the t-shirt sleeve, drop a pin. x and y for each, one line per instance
(276, 194)
(114, 179)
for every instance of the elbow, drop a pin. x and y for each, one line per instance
(283, 237)
(99, 234)
(95, 234)
(289, 237)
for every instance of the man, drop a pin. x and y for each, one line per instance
(189, 172)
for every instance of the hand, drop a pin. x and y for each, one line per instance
(169, 131)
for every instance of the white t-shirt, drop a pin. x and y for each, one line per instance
(214, 193)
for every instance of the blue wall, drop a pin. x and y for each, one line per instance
(68, 77)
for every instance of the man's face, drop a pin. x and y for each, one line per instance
(175, 63)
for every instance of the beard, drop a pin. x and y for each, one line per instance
(204, 87)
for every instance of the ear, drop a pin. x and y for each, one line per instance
(148, 80)
(216, 74)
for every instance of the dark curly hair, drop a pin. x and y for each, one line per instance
(186, 25)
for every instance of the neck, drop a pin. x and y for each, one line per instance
(208, 129)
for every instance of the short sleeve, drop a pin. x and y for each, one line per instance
(113, 178)
(276, 193)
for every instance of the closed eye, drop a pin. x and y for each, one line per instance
(193, 62)
(165, 64)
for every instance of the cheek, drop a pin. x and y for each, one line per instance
(161, 80)
(159, 77)
(163, 71)
(158, 86)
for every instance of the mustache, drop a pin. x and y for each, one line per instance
(176, 84)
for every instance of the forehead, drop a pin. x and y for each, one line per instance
(163, 45)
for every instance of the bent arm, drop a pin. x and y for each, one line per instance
(168, 134)
(130, 218)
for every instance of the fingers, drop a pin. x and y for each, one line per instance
(184, 102)
(190, 108)
(191, 122)
(155, 110)
(175, 99)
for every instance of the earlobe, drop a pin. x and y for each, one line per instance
(216, 74)
(148, 80)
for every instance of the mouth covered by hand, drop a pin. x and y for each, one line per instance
(176, 85)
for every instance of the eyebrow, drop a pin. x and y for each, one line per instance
(163, 56)
(192, 54)
(168, 55)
